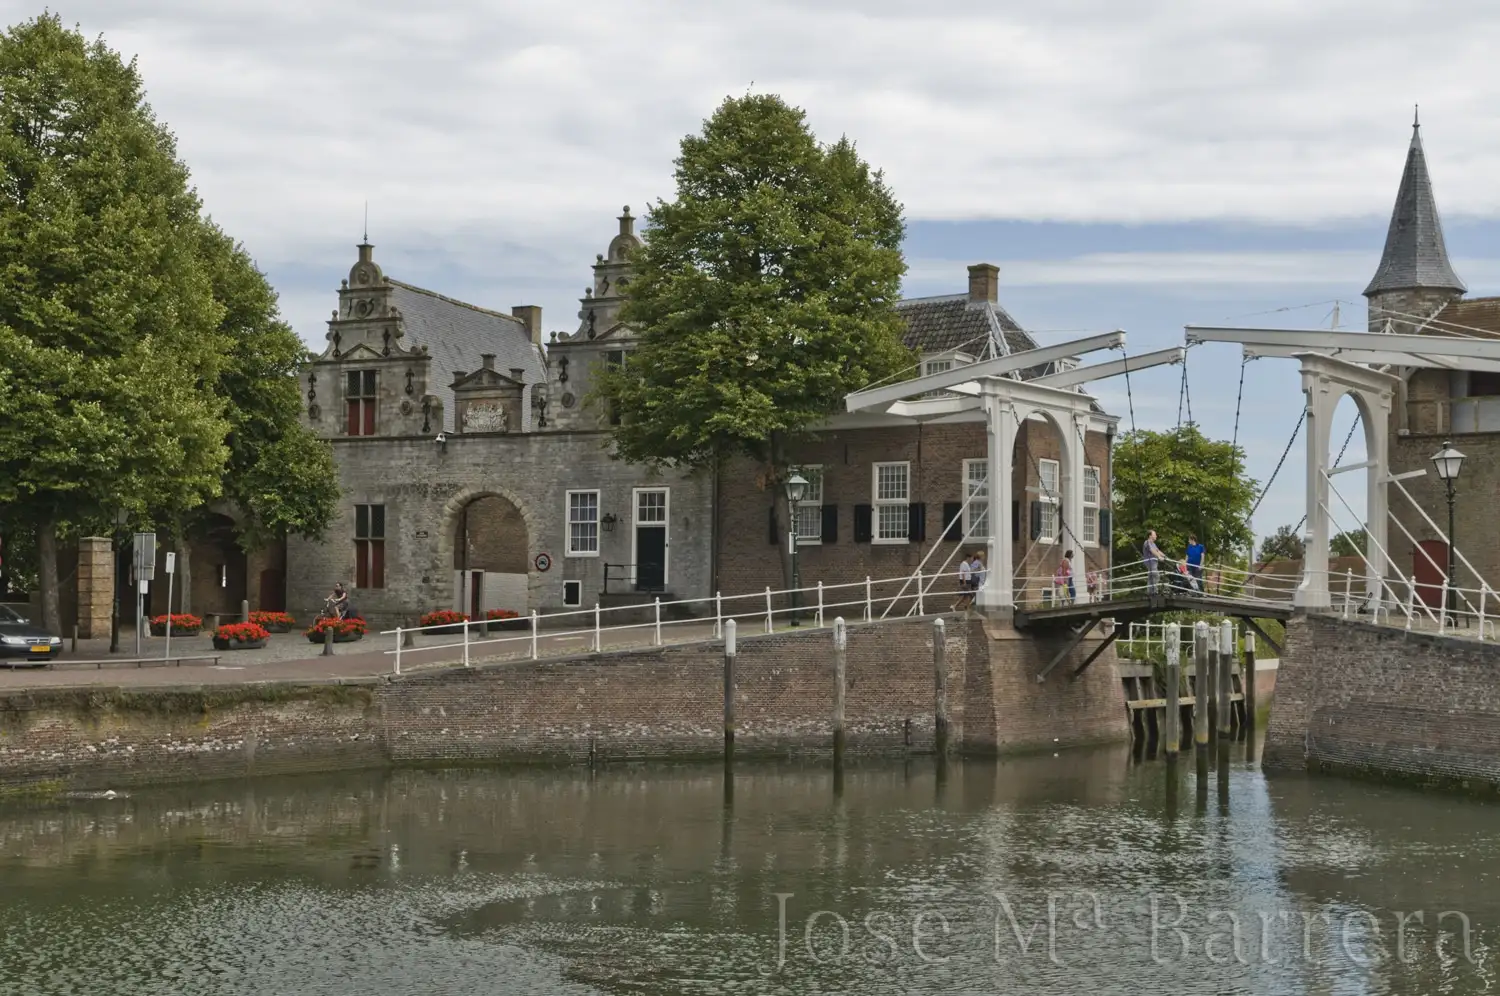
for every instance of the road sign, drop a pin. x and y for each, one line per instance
(171, 563)
(144, 556)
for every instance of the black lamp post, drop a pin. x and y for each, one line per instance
(796, 487)
(1448, 462)
(121, 517)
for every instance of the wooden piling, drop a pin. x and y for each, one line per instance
(1248, 730)
(840, 655)
(1172, 714)
(940, 687)
(244, 610)
(1202, 678)
(1225, 681)
(730, 650)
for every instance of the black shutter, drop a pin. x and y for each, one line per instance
(1036, 520)
(1105, 539)
(863, 528)
(916, 522)
(830, 523)
(1015, 521)
(953, 521)
(771, 536)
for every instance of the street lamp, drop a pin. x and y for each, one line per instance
(1448, 462)
(796, 487)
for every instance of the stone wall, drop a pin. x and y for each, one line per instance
(650, 704)
(1476, 506)
(1364, 699)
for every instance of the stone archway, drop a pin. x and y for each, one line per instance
(484, 553)
(1047, 478)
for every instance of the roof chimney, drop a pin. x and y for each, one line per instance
(984, 283)
(627, 223)
(518, 375)
(531, 316)
(487, 361)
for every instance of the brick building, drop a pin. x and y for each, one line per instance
(886, 491)
(476, 477)
(1415, 290)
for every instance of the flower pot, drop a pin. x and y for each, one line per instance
(176, 630)
(277, 627)
(454, 630)
(238, 644)
(337, 637)
(495, 625)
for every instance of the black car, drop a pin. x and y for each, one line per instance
(18, 638)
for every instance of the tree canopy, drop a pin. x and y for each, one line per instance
(1180, 483)
(1284, 544)
(1351, 544)
(764, 293)
(143, 366)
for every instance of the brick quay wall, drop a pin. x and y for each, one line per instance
(660, 703)
(1381, 702)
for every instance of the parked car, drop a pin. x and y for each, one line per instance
(18, 638)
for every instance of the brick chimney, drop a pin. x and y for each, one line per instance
(487, 361)
(984, 283)
(531, 316)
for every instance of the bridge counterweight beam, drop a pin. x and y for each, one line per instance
(1104, 644)
(1067, 649)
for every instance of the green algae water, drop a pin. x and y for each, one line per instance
(1078, 873)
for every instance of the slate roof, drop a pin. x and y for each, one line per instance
(456, 334)
(1476, 316)
(953, 322)
(1415, 253)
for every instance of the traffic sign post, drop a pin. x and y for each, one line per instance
(171, 571)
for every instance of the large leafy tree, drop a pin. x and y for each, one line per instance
(128, 324)
(1181, 483)
(1283, 544)
(763, 294)
(1351, 544)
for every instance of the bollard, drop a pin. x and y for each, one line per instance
(1442, 617)
(1201, 680)
(840, 654)
(409, 638)
(1226, 681)
(399, 644)
(1248, 732)
(869, 602)
(535, 621)
(718, 615)
(769, 624)
(244, 610)
(729, 690)
(466, 643)
(940, 687)
(658, 621)
(820, 605)
(598, 636)
(921, 600)
(328, 639)
(1172, 694)
(75, 633)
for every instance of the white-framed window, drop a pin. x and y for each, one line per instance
(1049, 495)
(891, 487)
(809, 511)
(977, 494)
(937, 366)
(583, 523)
(1091, 506)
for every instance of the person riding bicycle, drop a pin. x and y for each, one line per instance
(337, 604)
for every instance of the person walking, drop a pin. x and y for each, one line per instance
(1152, 555)
(980, 573)
(1092, 580)
(1064, 578)
(965, 580)
(1195, 553)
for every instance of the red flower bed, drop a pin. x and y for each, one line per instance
(502, 614)
(242, 632)
(282, 620)
(183, 624)
(344, 630)
(504, 619)
(443, 617)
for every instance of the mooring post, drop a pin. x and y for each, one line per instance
(940, 687)
(598, 634)
(75, 631)
(1172, 714)
(770, 626)
(729, 651)
(1249, 729)
(535, 621)
(328, 639)
(1201, 678)
(399, 645)
(1226, 682)
(658, 621)
(244, 610)
(466, 643)
(718, 615)
(840, 654)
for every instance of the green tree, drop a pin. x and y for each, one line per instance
(1348, 544)
(1180, 483)
(1284, 544)
(763, 294)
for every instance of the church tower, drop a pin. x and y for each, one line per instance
(1414, 280)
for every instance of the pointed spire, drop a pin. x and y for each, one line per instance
(1415, 254)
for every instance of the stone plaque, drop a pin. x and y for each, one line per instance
(486, 418)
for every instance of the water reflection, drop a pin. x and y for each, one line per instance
(1053, 874)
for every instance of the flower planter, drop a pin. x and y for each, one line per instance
(495, 625)
(337, 637)
(454, 630)
(277, 627)
(238, 644)
(176, 630)
(273, 622)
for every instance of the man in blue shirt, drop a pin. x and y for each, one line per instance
(1195, 559)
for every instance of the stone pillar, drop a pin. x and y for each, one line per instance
(1073, 460)
(997, 597)
(1313, 591)
(96, 586)
(1377, 519)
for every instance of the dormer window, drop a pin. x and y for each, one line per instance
(359, 396)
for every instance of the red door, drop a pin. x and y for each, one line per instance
(1428, 574)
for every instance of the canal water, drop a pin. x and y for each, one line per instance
(1079, 873)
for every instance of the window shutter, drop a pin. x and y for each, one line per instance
(863, 524)
(916, 522)
(1036, 520)
(771, 531)
(830, 523)
(1015, 521)
(953, 521)
(1105, 538)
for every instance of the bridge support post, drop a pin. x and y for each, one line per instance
(840, 655)
(940, 687)
(1172, 693)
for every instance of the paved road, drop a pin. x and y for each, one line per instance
(290, 657)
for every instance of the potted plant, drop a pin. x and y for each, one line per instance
(274, 622)
(182, 625)
(344, 630)
(240, 636)
(444, 621)
(503, 619)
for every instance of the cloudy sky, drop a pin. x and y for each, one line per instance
(1128, 165)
